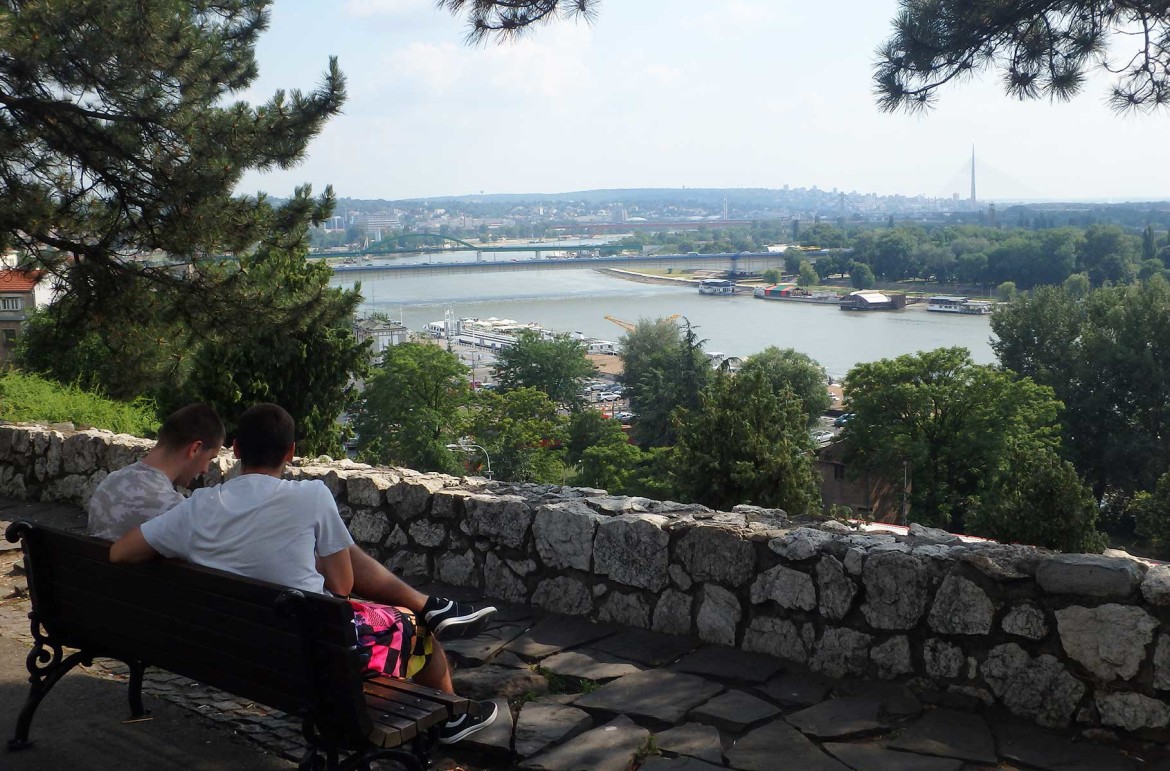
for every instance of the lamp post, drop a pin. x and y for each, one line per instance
(465, 445)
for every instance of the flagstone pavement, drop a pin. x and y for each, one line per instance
(580, 696)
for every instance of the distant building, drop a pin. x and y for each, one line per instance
(383, 333)
(868, 497)
(21, 293)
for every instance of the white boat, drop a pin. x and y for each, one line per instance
(716, 286)
(956, 304)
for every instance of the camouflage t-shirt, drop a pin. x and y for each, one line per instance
(127, 498)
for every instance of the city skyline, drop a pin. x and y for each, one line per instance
(657, 94)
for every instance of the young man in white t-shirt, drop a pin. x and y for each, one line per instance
(288, 532)
(187, 442)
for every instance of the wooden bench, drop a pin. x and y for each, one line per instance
(289, 650)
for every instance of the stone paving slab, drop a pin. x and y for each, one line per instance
(765, 748)
(486, 645)
(692, 739)
(895, 699)
(557, 633)
(734, 711)
(656, 693)
(490, 681)
(497, 737)
(589, 665)
(611, 747)
(678, 764)
(950, 734)
(840, 718)
(1051, 751)
(542, 724)
(650, 648)
(868, 757)
(795, 688)
(729, 664)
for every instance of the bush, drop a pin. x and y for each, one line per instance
(32, 399)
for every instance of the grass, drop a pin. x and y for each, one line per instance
(26, 398)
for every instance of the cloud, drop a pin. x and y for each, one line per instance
(368, 8)
(664, 74)
(437, 67)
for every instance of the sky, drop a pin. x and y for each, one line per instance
(674, 93)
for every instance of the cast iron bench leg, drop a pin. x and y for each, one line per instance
(137, 668)
(45, 669)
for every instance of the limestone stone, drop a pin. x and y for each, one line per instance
(1162, 663)
(611, 747)
(692, 740)
(779, 637)
(563, 534)
(555, 634)
(632, 550)
(504, 519)
(796, 688)
(369, 526)
(1026, 620)
(626, 608)
(70, 489)
(728, 664)
(841, 651)
(950, 734)
(410, 497)
(718, 554)
(84, 452)
(892, 657)
(1109, 640)
(733, 711)
(942, 659)
(617, 505)
(932, 534)
(491, 682)
(763, 749)
(540, 725)
(836, 589)
(649, 648)
(499, 581)
(367, 489)
(679, 577)
(960, 607)
(1156, 585)
(522, 567)
(397, 538)
(448, 504)
(1093, 575)
(869, 757)
(1039, 688)
(1132, 711)
(457, 569)
(896, 590)
(719, 615)
(672, 613)
(589, 665)
(800, 544)
(563, 594)
(428, 534)
(410, 564)
(786, 587)
(854, 560)
(659, 694)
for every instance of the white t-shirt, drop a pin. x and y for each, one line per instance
(127, 498)
(257, 526)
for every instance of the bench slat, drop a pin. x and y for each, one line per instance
(457, 704)
(437, 713)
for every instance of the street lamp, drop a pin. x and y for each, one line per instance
(465, 445)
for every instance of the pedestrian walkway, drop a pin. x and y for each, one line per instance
(574, 695)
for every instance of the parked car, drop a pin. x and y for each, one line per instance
(608, 396)
(626, 417)
(822, 437)
(842, 419)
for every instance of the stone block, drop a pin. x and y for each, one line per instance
(720, 554)
(632, 549)
(679, 577)
(448, 504)
(942, 659)
(1026, 620)
(369, 526)
(428, 534)
(836, 589)
(504, 519)
(672, 613)
(626, 608)
(1156, 585)
(800, 544)
(961, 607)
(892, 657)
(1090, 575)
(719, 615)
(501, 582)
(841, 652)
(1131, 711)
(1040, 689)
(411, 497)
(786, 587)
(779, 637)
(457, 569)
(84, 452)
(563, 534)
(368, 489)
(897, 589)
(1109, 640)
(563, 594)
(1162, 663)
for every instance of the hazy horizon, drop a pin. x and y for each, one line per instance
(673, 93)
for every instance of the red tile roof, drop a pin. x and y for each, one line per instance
(19, 280)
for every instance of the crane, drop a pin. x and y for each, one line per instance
(630, 327)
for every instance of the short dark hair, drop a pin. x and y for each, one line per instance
(264, 434)
(193, 423)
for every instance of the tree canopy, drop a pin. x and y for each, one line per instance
(789, 369)
(557, 366)
(664, 369)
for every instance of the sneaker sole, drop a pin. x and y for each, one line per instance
(472, 728)
(470, 618)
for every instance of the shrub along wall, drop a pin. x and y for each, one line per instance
(1060, 639)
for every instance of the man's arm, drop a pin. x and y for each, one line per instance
(338, 571)
(132, 548)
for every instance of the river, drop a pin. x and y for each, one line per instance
(578, 301)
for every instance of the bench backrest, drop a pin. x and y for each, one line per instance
(289, 650)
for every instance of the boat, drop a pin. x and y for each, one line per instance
(872, 300)
(958, 304)
(796, 293)
(716, 286)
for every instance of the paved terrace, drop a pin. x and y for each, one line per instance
(576, 696)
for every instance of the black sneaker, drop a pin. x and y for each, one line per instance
(440, 613)
(463, 726)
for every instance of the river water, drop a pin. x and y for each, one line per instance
(579, 300)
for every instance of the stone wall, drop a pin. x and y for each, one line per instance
(1080, 640)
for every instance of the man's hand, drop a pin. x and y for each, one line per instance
(132, 548)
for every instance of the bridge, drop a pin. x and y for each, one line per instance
(737, 262)
(435, 243)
